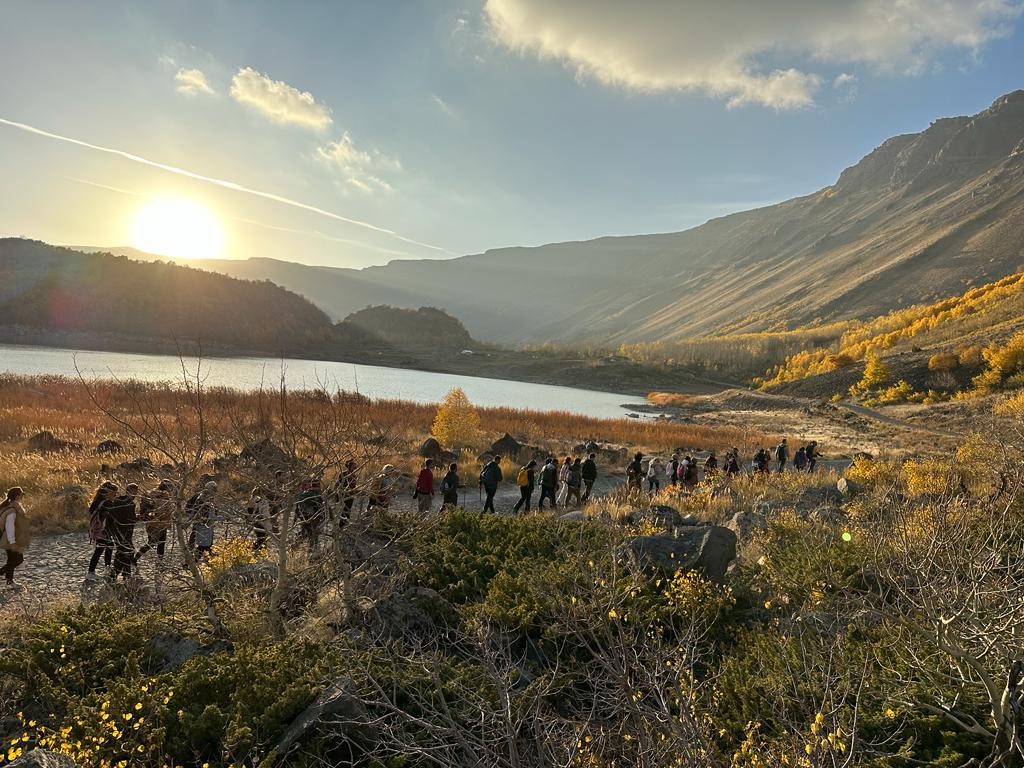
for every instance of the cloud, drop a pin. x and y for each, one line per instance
(192, 82)
(845, 86)
(279, 101)
(744, 51)
(360, 169)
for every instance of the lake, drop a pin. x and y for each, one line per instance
(249, 373)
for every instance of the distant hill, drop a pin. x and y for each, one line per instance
(423, 327)
(921, 217)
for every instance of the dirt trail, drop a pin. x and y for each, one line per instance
(869, 413)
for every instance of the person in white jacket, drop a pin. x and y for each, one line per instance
(14, 533)
(654, 470)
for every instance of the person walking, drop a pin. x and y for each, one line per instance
(563, 481)
(345, 491)
(672, 469)
(156, 508)
(782, 454)
(812, 455)
(121, 518)
(15, 533)
(732, 463)
(548, 483)
(424, 492)
(258, 510)
(589, 474)
(526, 480)
(654, 470)
(691, 476)
(800, 459)
(490, 476)
(203, 513)
(98, 535)
(573, 481)
(635, 472)
(711, 465)
(381, 489)
(450, 488)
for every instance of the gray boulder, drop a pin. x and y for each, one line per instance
(576, 516)
(169, 651)
(506, 445)
(418, 612)
(708, 548)
(141, 464)
(43, 758)
(661, 515)
(334, 709)
(847, 487)
(431, 449)
(746, 524)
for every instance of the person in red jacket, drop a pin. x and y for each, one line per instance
(425, 486)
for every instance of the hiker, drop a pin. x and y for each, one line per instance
(672, 468)
(800, 459)
(691, 476)
(711, 465)
(635, 472)
(490, 476)
(563, 481)
(812, 455)
(310, 512)
(526, 482)
(548, 483)
(121, 516)
(344, 491)
(761, 461)
(202, 513)
(782, 454)
(654, 470)
(258, 510)
(450, 488)
(381, 489)
(732, 463)
(681, 469)
(573, 481)
(156, 508)
(15, 533)
(98, 536)
(424, 493)
(589, 474)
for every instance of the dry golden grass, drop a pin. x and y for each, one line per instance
(64, 407)
(671, 398)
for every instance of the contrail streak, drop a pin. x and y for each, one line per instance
(221, 183)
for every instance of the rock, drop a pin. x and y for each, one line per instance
(415, 613)
(69, 492)
(506, 445)
(225, 462)
(46, 442)
(660, 515)
(334, 709)
(259, 575)
(431, 449)
(632, 415)
(708, 548)
(746, 524)
(847, 487)
(828, 515)
(576, 516)
(141, 464)
(265, 453)
(43, 758)
(109, 446)
(169, 651)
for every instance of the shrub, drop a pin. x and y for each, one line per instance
(876, 372)
(457, 423)
(943, 362)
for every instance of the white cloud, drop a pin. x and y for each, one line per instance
(744, 51)
(359, 168)
(192, 82)
(845, 86)
(279, 101)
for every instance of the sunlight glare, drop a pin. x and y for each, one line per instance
(177, 227)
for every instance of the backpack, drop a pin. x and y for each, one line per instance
(523, 478)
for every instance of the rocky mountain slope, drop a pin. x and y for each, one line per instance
(920, 217)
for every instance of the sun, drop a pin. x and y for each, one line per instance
(171, 226)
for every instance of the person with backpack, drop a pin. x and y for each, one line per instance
(156, 508)
(258, 510)
(672, 469)
(573, 481)
(711, 465)
(635, 472)
(381, 488)
(691, 476)
(732, 464)
(490, 476)
(782, 454)
(548, 483)
(424, 493)
(563, 481)
(654, 470)
(450, 488)
(812, 455)
(121, 516)
(525, 481)
(15, 533)
(800, 459)
(202, 513)
(589, 474)
(98, 535)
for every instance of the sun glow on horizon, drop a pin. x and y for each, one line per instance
(171, 226)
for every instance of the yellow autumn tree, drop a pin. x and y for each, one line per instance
(876, 372)
(457, 423)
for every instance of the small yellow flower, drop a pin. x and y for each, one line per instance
(890, 713)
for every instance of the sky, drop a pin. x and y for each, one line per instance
(355, 132)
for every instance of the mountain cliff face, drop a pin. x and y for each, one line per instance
(920, 217)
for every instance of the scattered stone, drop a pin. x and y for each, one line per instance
(417, 613)
(336, 709)
(660, 515)
(43, 758)
(576, 516)
(265, 453)
(708, 548)
(109, 446)
(632, 415)
(847, 487)
(746, 524)
(141, 464)
(169, 651)
(46, 442)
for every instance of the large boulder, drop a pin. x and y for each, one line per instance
(746, 524)
(431, 449)
(141, 464)
(707, 548)
(335, 710)
(661, 516)
(47, 442)
(265, 453)
(169, 651)
(506, 445)
(43, 758)
(847, 487)
(109, 446)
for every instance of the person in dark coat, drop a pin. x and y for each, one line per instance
(490, 476)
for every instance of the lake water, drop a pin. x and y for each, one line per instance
(373, 381)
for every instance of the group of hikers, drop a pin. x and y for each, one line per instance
(114, 513)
